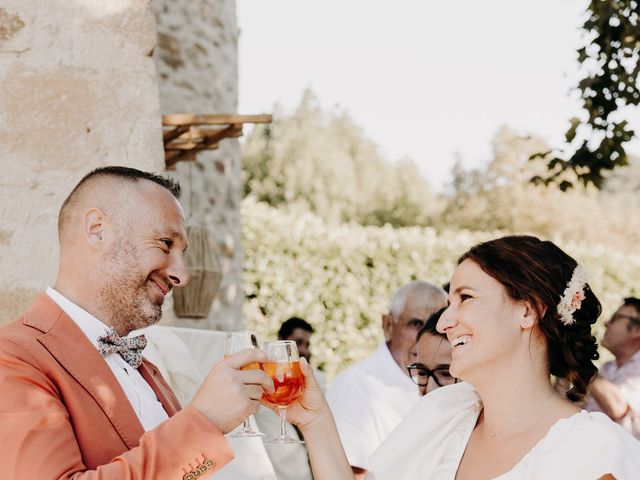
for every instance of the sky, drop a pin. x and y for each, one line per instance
(429, 80)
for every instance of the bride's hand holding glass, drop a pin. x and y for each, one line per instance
(310, 407)
(311, 413)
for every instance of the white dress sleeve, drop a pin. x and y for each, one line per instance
(430, 440)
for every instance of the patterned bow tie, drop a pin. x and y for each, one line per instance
(130, 349)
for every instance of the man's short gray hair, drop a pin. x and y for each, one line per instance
(435, 296)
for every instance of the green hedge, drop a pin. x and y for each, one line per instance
(340, 277)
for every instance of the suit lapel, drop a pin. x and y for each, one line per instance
(71, 348)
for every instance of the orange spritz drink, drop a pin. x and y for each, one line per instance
(287, 380)
(283, 367)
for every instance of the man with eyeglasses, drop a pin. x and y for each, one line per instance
(433, 358)
(370, 398)
(616, 389)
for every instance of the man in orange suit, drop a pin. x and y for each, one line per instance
(77, 400)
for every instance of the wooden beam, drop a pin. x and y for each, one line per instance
(208, 139)
(177, 119)
(234, 130)
(175, 133)
(181, 146)
(194, 135)
(185, 138)
(172, 158)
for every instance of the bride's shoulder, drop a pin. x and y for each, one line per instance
(596, 422)
(593, 431)
(587, 445)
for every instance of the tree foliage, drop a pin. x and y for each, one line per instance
(341, 277)
(611, 65)
(501, 197)
(321, 161)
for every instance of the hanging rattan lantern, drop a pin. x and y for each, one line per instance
(194, 300)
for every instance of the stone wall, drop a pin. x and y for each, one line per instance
(78, 90)
(196, 61)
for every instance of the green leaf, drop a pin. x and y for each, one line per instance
(571, 133)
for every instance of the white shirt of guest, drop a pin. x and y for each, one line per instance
(627, 378)
(368, 400)
(141, 396)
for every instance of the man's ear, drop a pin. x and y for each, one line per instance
(387, 326)
(95, 228)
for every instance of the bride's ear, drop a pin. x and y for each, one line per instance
(530, 315)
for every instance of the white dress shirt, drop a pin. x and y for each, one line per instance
(140, 394)
(368, 400)
(627, 378)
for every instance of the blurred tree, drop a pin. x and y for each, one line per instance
(501, 197)
(322, 162)
(625, 181)
(341, 277)
(610, 60)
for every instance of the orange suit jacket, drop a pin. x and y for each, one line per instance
(63, 414)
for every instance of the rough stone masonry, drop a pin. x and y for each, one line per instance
(80, 90)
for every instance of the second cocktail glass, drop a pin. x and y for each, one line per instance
(284, 368)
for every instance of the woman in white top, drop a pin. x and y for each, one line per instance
(520, 312)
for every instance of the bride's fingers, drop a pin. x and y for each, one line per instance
(307, 371)
(304, 366)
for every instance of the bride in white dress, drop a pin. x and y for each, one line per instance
(520, 312)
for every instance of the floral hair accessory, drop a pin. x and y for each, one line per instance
(573, 296)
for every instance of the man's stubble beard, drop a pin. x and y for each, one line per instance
(124, 293)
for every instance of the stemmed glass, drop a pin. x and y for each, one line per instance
(235, 342)
(284, 368)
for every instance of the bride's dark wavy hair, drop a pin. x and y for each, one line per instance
(538, 272)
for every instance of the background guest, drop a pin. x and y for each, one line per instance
(370, 398)
(433, 357)
(616, 389)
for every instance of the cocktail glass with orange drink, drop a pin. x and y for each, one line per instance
(235, 342)
(284, 368)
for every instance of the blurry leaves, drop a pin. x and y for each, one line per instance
(611, 65)
(502, 196)
(571, 133)
(341, 277)
(321, 161)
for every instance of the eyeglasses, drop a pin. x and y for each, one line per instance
(420, 375)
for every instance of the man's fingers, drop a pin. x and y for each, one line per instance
(258, 378)
(245, 357)
(254, 392)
